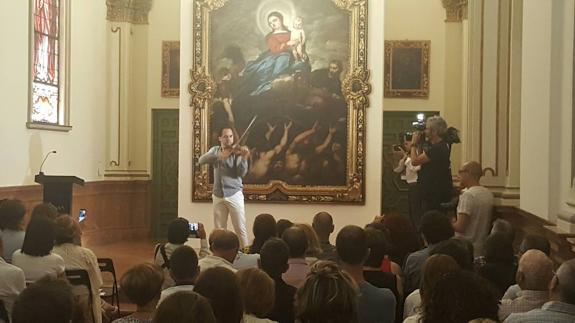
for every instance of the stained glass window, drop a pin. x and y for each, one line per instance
(46, 63)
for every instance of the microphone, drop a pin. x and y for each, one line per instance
(46, 157)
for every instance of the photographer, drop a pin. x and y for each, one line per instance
(434, 178)
(409, 174)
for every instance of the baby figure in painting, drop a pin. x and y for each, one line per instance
(297, 38)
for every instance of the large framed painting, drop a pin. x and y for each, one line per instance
(294, 74)
(407, 69)
(170, 69)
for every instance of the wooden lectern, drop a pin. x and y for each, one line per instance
(58, 190)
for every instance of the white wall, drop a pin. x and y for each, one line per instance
(80, 151)
(343, 214)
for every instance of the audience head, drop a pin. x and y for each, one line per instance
(48, 300)
(39, 237)
(296, 240)
(313, 247)
(274, 257)
(457, 250)
(470, 173)
(434, 268)
(67, 230)
(184, 265)
(184, 307)
(12, 215)
(323, 225)
(45, 209)
(224, 244)
(377, 245)
(503, 226)
(142, 284)
(178, 231)
(532, 241)
(459, 296)
(436, 227)
(257, 290)
(435, 127)
(499, 248)
(282, 225)
(221, 287)
(264, 228)
(402, 235)
(563, 283)
(328, 296)
(535, 271)
(351, 245)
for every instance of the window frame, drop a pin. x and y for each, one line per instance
(63, 123)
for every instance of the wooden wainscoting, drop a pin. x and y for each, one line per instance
(562, 244)
(116, 210)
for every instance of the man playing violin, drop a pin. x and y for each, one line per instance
(230, 163)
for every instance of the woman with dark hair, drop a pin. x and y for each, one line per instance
(402, 236)
(221, 287)
(500, 263)
(184, 307)
(264, 228)
(11, 227)
(36, 258)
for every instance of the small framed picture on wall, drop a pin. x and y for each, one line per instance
(407, 69)
(170, 69)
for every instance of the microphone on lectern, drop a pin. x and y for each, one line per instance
(46, 157)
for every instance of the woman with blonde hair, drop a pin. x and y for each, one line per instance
(313, 246)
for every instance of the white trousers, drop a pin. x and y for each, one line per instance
(234, 206)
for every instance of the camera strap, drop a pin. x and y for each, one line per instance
(162, 249)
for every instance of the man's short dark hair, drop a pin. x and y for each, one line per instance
(264, 228)
(322, 223)
(184, 263)
(11, 214)
(178, 231)
(48, 300)
(351, 245)
(225, 241)
(377, 244)
(274, 256)
(499, 248)
(296, 240)
(533, 241)
(40, 236)
(142, 283)
(456, 249)
(282, 225)
(436, 227)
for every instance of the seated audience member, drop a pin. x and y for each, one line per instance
(327, 296)
(435, 227)
(11, 227)
(36, 258)
(505, 227)
(298, 269)
(258, 294)
(221, 287)
(178, 234)
(323, 227)
(45, 209)
(282, 225)
(456, 249)
(534, 273)
(12, 283)
(402, 236)
(313, 247)
(274, 257)
(184, 307)
(374, 304)
(48, 300)
(183, 270)
(142, 285)
(264, 228)
(372, 267)
(475, 207)
(561, 307)
(68, 246)
(499, 267)
(459, 296)
(433, 268)
(531, 241)
(224, 246)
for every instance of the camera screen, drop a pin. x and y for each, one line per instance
(82, 215)
(193, 227)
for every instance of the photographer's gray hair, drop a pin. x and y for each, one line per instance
(438, 124)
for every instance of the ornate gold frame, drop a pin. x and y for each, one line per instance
(355, 88)
(167, 91)
(423, 91)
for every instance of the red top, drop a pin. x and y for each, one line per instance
(277, 43)
(386, 265)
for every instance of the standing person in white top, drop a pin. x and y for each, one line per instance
(475, 208)
(410, 176)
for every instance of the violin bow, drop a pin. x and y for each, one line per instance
(246, 131)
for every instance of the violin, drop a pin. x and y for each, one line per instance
(234, 150)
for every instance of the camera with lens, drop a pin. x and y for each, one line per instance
(418, 125)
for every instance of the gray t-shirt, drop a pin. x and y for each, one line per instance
(375, 304)
(227, 173)
(477, 203)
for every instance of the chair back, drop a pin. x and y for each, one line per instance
(80, 277)
(106, 265)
